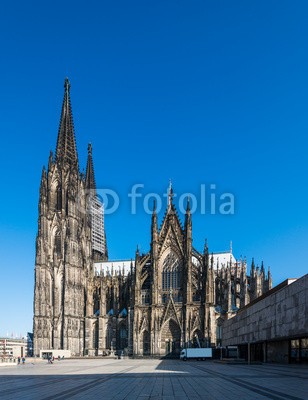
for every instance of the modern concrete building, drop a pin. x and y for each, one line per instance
(274, 327)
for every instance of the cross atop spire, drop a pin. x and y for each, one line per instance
(90, 178)
(66, 152)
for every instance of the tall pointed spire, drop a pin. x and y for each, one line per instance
(90, 178)
(253, 264)
(206, 248)
(154, 230)
(154, 206)
(66, 152)
(262, 268)
(170, 193)
(188, 222)
(50, 161)
(43, 186)
(188, 205)
(154, 221)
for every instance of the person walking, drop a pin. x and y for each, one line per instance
(18, 360)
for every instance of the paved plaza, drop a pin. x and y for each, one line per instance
(151, 379)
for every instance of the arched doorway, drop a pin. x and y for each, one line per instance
(122, 340)
(171, 338)
(109, 337)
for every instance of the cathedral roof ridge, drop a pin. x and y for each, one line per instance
(115, 261)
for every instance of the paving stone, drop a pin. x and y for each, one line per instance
(153, 380)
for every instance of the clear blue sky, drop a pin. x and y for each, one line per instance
(198, 91)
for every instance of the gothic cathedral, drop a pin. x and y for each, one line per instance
(171, 297)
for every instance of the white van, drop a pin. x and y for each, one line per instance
(197, 353)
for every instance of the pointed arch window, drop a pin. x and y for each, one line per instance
(58, 246)
(145, 297)
(59, 199)
(95, 336)
(171, 273)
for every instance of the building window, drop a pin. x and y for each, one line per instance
(196, 296)
(218, 335)
(171, 273)
(145, 297)
(59, 199)
(58, 246)
(304, 349)
(95, 336)
(123, 338)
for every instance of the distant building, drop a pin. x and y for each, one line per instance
(12, 348)
(170, 297)
(274, 327)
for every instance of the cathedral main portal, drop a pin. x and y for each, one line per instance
(171, 338)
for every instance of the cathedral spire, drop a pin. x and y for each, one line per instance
(90, 178)
(253, 264)
(262, 268)
(154, 206)
(170, 193)
(66, 152)
(50, 161)
(188, 217)
(188, 205)
(206, 248)
(137, 252)
(43, 185)
(154, 228)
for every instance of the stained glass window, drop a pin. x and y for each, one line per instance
(171, 273)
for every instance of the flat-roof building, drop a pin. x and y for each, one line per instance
(13, 347)
(274, 327)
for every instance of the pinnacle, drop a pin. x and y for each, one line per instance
(66, 151)
(67, 85)
(90, 177)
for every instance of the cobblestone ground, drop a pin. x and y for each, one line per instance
(151, 379)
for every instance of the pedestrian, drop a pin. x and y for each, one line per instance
(23, 360)
(18, 360)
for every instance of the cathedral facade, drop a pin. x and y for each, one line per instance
(153, 305)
